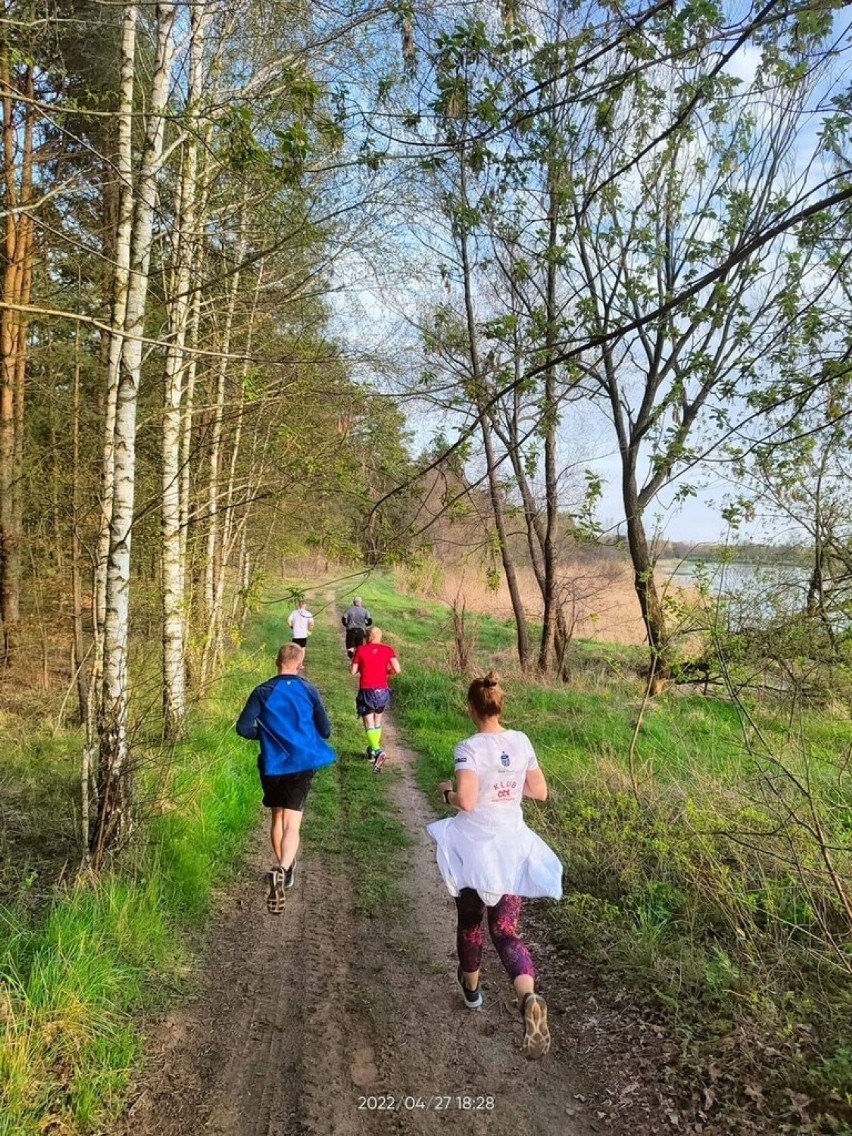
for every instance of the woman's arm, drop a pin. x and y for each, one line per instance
(466, 795)
(535, 785)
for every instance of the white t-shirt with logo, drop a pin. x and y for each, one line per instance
(300, 620)
(489, 848)
(501, 761)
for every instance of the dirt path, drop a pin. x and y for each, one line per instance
(320, 1021)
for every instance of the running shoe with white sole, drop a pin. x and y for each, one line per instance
(288, 875)
(536, 1034)
(275, 899)
(378, 760)
(472, 998)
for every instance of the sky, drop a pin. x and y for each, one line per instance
(381, 320)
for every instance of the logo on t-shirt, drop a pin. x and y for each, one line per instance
(503, 790)
(505, 759)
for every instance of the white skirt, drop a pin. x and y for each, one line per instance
(509, 860)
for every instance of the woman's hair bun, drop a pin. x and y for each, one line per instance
(485, 696)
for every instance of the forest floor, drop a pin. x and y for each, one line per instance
(324, 1021)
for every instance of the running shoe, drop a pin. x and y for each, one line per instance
(275, 899)
(288, 875)
(536, 1034)
(472, 998)
(378, 760)
(370, 754)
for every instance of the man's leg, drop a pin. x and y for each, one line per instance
(275, 899)
(373, 726)
(368, 718)
(276, 832)
(295, 799)
(292, 826)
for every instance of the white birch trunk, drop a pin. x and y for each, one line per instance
(179, 311)
(229, 529)
(212, 600)
(115, 796)
(121, 283)
(260, 446)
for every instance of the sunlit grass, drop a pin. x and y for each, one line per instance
(80, 962)
(657, 883)
(689, 857)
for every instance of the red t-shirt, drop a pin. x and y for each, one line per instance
(373, 663)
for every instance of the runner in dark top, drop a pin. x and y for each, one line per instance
(356, 619)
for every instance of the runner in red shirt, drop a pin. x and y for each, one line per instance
(374, 662)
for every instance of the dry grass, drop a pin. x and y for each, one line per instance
(599, 598)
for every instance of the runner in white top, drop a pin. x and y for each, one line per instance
(488, 857)
(302, 623)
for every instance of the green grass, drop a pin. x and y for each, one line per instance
(691, 869)
(673, 876)
(81, 962)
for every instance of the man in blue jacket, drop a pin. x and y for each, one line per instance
(287, 716)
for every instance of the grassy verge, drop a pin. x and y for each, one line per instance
(691, 864)
(83, 959)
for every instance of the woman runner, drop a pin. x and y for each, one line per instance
(488, 857)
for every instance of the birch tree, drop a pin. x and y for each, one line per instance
(114, 773)
(177, 407)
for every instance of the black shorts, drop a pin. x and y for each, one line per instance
(355, 637)
(289, 791)
(372, 701)
(301, 642)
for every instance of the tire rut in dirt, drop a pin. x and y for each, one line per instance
(290, 1074)
(249, 1094)
(267, 1048)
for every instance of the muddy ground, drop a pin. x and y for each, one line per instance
(321, 1021)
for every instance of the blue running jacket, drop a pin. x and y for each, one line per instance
(287, 716)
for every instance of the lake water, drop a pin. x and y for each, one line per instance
(765, 586)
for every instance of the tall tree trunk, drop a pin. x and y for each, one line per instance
(550, 415)
(79, 637)
(17, 129)
(488, 443)
(186, 453)
(121, 251)
(259, 448)
(522, 633)
(212, 599)
(644, 582)
(179, 311)
(229, 529)
(535, 527)
(115, 798)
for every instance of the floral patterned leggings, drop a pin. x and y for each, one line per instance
(503, 928)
